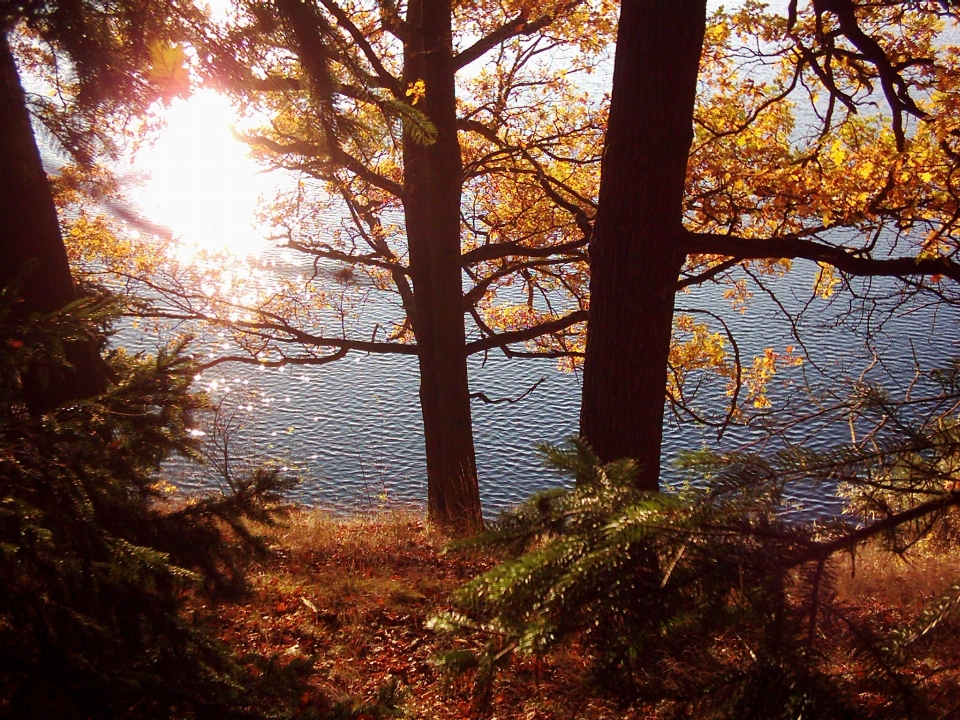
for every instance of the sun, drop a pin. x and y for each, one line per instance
(202, 185)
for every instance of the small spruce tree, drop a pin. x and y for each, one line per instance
(94, 566)
(716, 601)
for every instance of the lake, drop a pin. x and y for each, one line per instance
(352, 429)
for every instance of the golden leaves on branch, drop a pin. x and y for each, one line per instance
(765, 167)
(699, 357)
(757, 377)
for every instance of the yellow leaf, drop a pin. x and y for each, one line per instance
(416, 90)
(837, 153)
(168, 70)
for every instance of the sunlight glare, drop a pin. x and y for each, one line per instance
(202, 184)
(218, 10)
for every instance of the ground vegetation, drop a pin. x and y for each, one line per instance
(665, 586)
(359, 592)
(95, 560)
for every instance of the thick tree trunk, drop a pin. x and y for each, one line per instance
(433, 179)
(32, 253)
(636, 251)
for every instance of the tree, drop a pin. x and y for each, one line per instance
(96, 562)
(635, 253)
(97, 58)
(738, 614)
(486, 172)
(33, 254)
(750, 191)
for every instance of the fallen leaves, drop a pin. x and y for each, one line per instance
(355, 594)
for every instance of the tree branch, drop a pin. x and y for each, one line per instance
(248, 360)
(512, 28)
(483, 396)
(840, 258)
(709, 274)
(345, 257)
(476, 293)
(337, 156)
(389, 81)
(894, 86)
(496, 251)
(823, 550)
(515, 336)
(273, 332)
(517, 26)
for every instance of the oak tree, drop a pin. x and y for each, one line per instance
(392, 121)
(703, 175)
(461, 164)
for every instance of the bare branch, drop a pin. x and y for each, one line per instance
(496, 251)
(247, 359)
(282, 332)
(484, 398)
(709, 274)
(324, 251)
(544, 355)
(855, 537)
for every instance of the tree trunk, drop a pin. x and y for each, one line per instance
(636, 252)
(32, 253)
(433, 178)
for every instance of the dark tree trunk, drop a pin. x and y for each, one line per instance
(637, 248)
(433, 179)
(32, 253)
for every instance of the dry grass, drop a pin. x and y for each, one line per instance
(885, 578)
(355, 593)
(889, 592)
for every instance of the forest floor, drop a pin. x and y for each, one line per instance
(355, 594)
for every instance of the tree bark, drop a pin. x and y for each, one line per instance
(32, 253)
(636, 251)
(433, 181)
